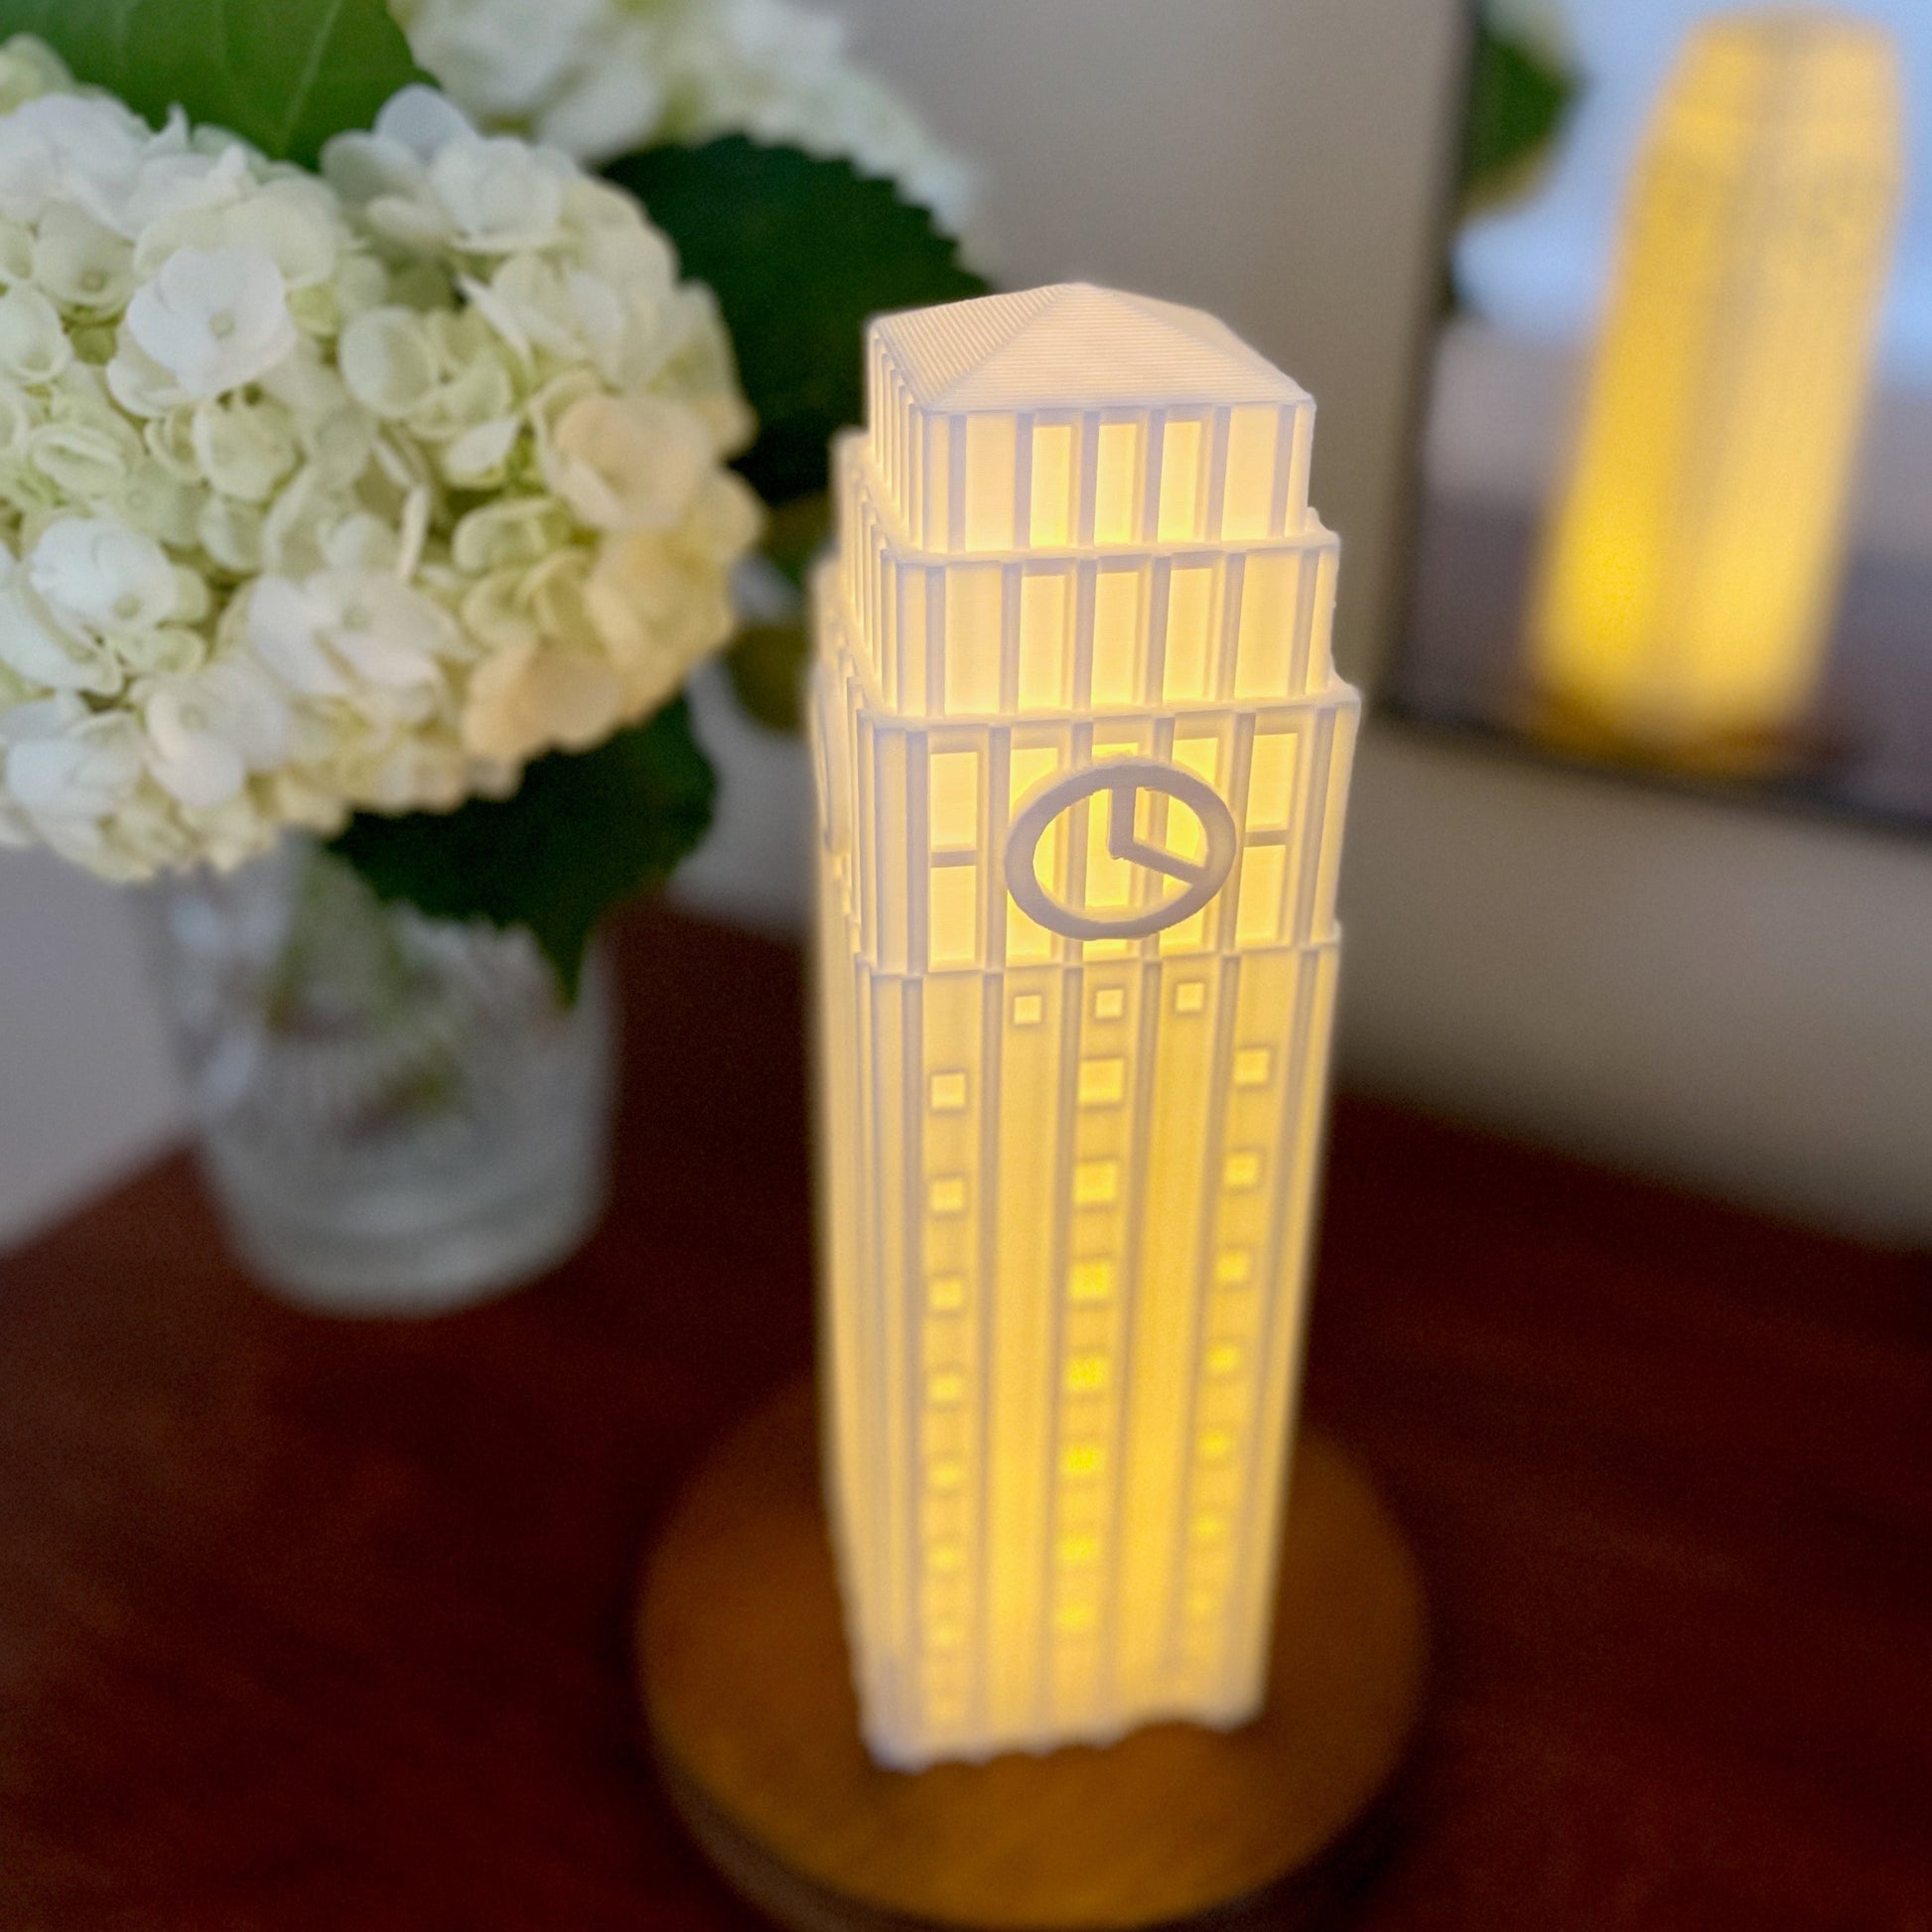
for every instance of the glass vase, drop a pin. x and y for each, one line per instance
(398, 1115)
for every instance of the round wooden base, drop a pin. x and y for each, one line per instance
(748, 1688)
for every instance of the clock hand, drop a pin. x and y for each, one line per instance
(1123, 843)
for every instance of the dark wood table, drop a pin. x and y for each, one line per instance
(308, 1624)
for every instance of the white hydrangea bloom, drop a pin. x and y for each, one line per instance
(321, 495)
(210, 729)
(341, 632)
(213, 319)
(499, 196)
(33, 343)
(28, 69)
(80, 263)
(627, 463)
(100, 577)
(599, 79)
(44, 654)
(85, 150)
(68, 771)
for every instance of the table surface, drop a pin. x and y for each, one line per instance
(312, 1623)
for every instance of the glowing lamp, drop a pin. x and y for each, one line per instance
(1689, 572)
(1082, 759)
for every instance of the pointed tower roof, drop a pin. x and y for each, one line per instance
(1075, 346)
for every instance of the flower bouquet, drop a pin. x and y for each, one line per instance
(366, 495)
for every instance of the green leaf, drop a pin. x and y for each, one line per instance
(768, 659)
(766, 664)
(285, 74)
(1519, 98)
(801, 252)
(583, 832)
(795, 533)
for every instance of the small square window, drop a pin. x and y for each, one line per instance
(1096, 1183)
(1028, 1009)
(946, 1293)
(1254, 1066)
(1082, 1459)
(1110, 1003)
(1102, 1082)
(1190, 996)
(1243, 1169)
(948, 1093)
(949, 1386)
(1223, 1359)
(1087, 1374)
(1091, 1281)
(948, 1194)
(1233, 1267)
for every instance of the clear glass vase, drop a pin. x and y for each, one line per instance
(397, 1114)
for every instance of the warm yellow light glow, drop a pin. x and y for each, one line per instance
(1686, 592)
(1082, 757)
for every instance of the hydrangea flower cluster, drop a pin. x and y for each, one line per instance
(320, 493)
(600, 78)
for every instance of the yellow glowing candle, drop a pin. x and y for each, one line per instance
(1082, 759)
(1689, 574)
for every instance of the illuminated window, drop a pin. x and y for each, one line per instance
(1102, 1082)
(1091, 1281)
(1085, 1373)
(1096, 1183)
(955, 801)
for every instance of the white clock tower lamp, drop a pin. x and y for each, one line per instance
(1083, 760)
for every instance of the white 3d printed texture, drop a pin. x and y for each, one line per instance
(1083, 758)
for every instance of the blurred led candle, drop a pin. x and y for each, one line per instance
(1083, 758)
(1689, 574)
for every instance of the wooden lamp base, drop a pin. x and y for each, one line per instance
(748, 1688)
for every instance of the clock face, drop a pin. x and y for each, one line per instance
(1199, 876)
